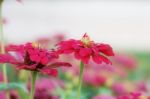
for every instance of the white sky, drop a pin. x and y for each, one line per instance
(124, 25)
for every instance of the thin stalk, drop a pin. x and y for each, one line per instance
(80, 80)
(34, 76)
(4, 68)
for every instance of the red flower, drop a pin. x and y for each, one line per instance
(85, 49)
(33, 58)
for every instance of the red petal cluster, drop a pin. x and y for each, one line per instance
(85, 50)
(32, 58)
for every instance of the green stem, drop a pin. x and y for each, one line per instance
(80, 80)
(3, 49)
(34, 76)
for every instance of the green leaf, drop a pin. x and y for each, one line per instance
(104, 90)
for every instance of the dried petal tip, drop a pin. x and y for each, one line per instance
(85, 35)
(86, 39)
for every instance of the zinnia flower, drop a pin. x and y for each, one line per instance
(142, 87)
(133, 95)
(13, 95)
(103, 96)
(126, 61)
(45, 88)
(93, 79)
(119, 88)
(85, 49)
(31, 57)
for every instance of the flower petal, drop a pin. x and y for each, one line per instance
(85, 59)
(49, 71)
(27, 67)
(77, 55)
(6, 58)
(106, 49)
(106, 60)
(59, 64)
(97, 59)
(85, 52)
(35, 58)
(44, 60)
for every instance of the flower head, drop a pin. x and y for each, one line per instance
(31, 57)
(103, 96)
(133, 95)
(45, 87)
(119, 88)
(85, 49)
(1, 77)
(126, 61)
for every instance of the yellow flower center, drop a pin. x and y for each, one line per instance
(35, 44)
(86, 40)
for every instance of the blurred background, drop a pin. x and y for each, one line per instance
(124, 24)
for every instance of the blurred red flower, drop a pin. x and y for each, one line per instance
(44, 88)
(119, 88)
(133, 95)
(103, 96)
(84, 49)
(31, 57)
(126, 61)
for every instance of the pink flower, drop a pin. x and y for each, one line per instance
(2, 95)
(142, 87)
(93, 79)
(104, 97)
(124, 97)
(13, 94)
(49, 42)
(1, 77)
(44, 88)
(119, 88)
(133, 95)
(127, 61)
(33, 58)
(85, 49)
(94, 75)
